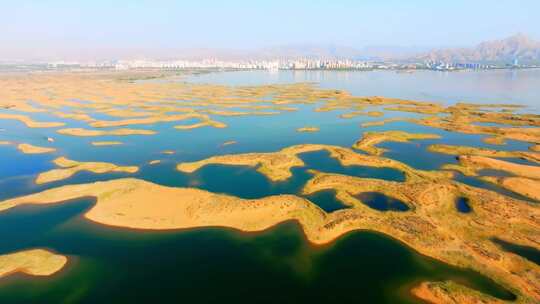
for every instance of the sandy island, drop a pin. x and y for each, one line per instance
(35, 262)
(277, 166)
(31, 149)
(465, 150)
(370, 139)
(106, 143)
(29, 122)
(308, 129)
(71, 167)
(116, 132)
(432, 226)
(229, 142)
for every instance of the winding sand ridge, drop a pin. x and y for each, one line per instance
(71, 167)
(239, 113)
(204, 123)
(370, 139)
(420, 108)
(521, 185)
(382, 122)
(139, 204)
(21, 106)
(307, 129)
(434, 227)
(146, 120)
(481, 162)
(106, 143)
(124, 113)
(352, 114)
(535, 148)
(31, 149)
(277, 165)
(476, 151)
(29, 122)
(5, 142)
(36, 262)
(464, 124)
(91, 133)
(75, 116)
(449, 292)
(494, 140)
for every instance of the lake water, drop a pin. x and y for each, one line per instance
(111, 265)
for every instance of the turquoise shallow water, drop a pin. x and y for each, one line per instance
(220, 265)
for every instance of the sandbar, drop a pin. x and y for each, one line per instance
(229, 142)
(481, 162)
(31, 149)
(277, 166)
(370, 139)
(35, 262)
(116, 132)
(29, 122)
(307, 129)
(476, 151)
(106, 143)
(432, 226)
(71, 167)
(447, 292)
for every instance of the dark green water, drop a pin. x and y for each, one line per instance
(381, 202)
(212, 265)
(110, 265)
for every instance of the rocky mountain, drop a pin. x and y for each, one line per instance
(520, 47)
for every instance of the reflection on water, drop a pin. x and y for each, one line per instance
(494, 86)
(219, 265)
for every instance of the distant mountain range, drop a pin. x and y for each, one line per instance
(504, 51)
(519, 47)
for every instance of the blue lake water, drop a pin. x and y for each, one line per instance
(220, 265)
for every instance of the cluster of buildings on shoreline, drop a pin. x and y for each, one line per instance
(273, 65)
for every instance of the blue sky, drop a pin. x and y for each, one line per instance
(70, 26)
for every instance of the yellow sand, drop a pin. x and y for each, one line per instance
(370, 139)
(228, 143)
(117, 132)
(308, 129)
(433, 226)
(106, 143)
(31, 149)
(36, 262)
(71, 167)
(277, 165)
(29, 122)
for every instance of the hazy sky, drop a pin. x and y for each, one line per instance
(44, 28)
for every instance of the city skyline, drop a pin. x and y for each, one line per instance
(58, 29)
